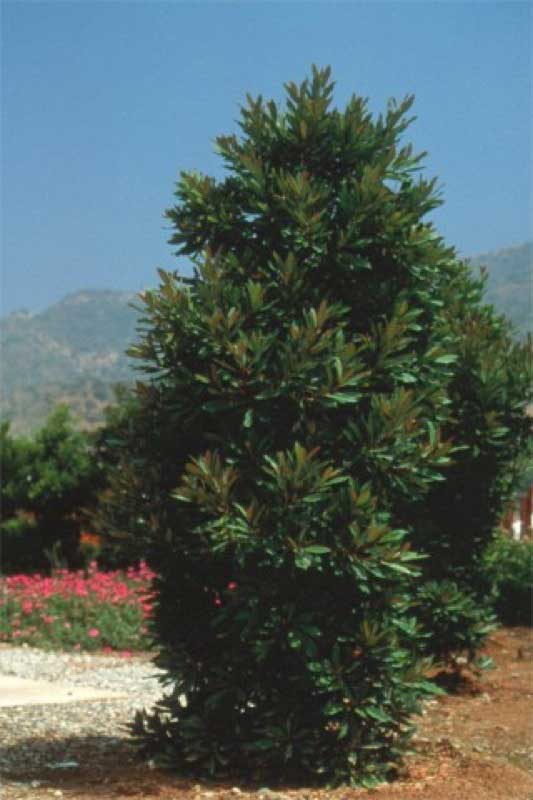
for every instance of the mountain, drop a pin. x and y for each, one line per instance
(509, 284)
(74, 351)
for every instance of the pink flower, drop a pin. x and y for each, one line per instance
(87, 590)
(232, 585)
(125, 654)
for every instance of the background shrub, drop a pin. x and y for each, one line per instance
(20, 544)
(49, 486)
(490, 430)
(455, 623)
(60, 486)
(509, 569)
(124, 506)
(454, 523)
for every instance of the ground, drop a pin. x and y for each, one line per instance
(474, 744)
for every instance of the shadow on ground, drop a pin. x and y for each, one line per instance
(475, 744)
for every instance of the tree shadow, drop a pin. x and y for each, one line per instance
(73, 761)
(89, 766)
(457, 682)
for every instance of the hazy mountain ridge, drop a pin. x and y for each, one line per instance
(509, 284)
(73, 352)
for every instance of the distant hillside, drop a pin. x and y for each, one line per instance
(74, 351)
(509, 285)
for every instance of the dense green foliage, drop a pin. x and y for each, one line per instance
(298, 388)
(455, 621)
(487, 424)
(509, 569)
(48, 483)
(59, 482)
(130, 487)
(489, 427)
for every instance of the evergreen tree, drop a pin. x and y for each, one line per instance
(297, 385)
(459, 518)
(490, 429)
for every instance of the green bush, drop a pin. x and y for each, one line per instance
(298, 384)
(454, 621)
(453, 524)
(490, 431)
(49, 483)
(301, 392)
(509, 568)
(123, 498)
(19, 543)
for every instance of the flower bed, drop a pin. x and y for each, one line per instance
(79, 610)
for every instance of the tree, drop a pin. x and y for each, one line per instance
(296, 389)
(456, 523)
(15, 526)
(48, 484)
(14, 455)
(490, 428)
(127, 496)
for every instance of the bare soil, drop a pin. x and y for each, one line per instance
(473, 744)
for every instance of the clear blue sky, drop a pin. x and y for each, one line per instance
(105, 102)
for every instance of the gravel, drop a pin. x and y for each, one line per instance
(49, 736)
(82, 669)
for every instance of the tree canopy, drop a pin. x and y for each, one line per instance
(302, 401)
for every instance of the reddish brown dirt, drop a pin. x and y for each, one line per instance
(476, 744)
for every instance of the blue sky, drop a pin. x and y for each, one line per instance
(103, 103)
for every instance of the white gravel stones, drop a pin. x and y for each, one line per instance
(81, 669)
(33, 737)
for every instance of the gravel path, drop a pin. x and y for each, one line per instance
(36, 737)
